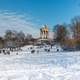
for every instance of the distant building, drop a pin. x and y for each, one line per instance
(44, 32)
(46, 36)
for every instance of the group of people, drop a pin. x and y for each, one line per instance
(5, 51)
(37, 50)
(45, 48)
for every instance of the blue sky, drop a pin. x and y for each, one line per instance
(40, 12)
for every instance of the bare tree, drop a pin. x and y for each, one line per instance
(21, 36)
(76, 30)
(8, 34)
(61, 34)
(76, 27)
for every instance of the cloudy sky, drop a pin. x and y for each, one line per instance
(29, 15)
(19, 22)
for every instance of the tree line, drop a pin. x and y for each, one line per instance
(68, 36)
(15, 38)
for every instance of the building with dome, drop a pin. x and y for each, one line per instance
(44, 33)
(46, 36)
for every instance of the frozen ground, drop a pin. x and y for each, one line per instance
(40, 66)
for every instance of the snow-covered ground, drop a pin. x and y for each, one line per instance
(40, 66)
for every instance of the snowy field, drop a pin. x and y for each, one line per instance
(40, 65)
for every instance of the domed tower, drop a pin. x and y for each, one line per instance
(44, 32)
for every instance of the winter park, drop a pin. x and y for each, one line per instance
(40, 40)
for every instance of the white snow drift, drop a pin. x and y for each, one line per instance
(40, 66)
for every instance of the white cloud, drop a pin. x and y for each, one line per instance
(18, 22)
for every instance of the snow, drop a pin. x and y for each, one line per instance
(40, 66)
